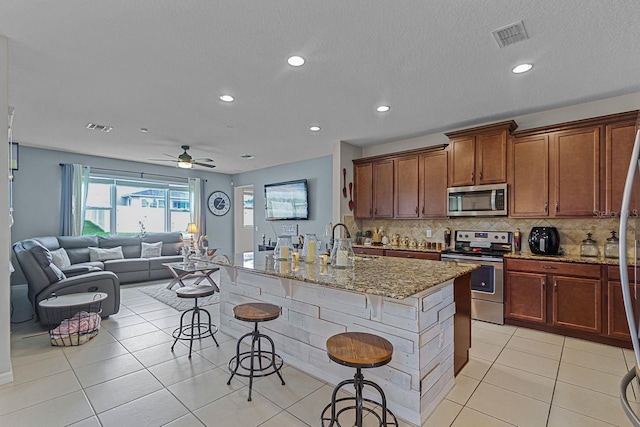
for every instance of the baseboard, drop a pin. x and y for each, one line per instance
(6, 377)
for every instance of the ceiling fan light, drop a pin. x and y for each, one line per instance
(185, 165)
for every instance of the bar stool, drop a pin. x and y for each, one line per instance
(359, 350)
(197, 330)
(269, 362)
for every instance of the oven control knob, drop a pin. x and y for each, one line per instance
(503, 237)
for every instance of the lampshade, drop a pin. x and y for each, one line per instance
(192, 228)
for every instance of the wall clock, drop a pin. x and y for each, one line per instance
(218, 203)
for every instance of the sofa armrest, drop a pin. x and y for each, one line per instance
(76, 270)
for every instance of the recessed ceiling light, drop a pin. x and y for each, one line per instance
(227, 98)
(144, 130)
(248, 156)
(314, 128)
(103, 128)
(383, 108)
(296, 61)
(522, 68)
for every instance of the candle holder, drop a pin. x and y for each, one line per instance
(342, 255)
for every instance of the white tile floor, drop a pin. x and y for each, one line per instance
(127, 376)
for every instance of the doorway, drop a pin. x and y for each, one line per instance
(243, 219)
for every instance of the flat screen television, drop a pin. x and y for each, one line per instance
(286, 201)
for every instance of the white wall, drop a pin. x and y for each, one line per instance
(586, 110)
(5, 233)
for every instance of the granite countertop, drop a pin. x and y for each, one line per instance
(398, 248)
(390, 277)
(567, 258)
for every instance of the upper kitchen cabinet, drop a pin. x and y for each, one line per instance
(555, 174)
(406, 187)
(433, 184)
(373, 189)
(620, 133)
(479, 155)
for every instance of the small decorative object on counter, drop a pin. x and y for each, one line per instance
(310, 248)
(404, 241)
(422, 244)
(413, 243)
(377, 235)
(323, 259)
(283, 248)
(612, 246)
(447, 237)
(589, 247)
(342, 255)
(395, 240)
(517, 241)
(385, 240)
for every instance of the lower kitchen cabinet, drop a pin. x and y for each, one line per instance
(525, 296)
(433, 256)
(368, 251)
(617, 326)
(565, 298)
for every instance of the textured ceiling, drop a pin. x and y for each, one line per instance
(161, 65)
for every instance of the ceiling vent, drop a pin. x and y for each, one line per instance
(103, 128)
(510, 34)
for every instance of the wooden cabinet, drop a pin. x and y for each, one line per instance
(368, 251)
(383, 189)
(617, 326)
(555, 174)
(619, 138)
(363, 194)
(560, 295)
(433, 185)
(525, 296)
(433, 256)
(406, 187)
(479, 155)
(373, 183)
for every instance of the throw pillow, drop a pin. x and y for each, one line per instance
(151, 250)
(60, 258)
(105, 254)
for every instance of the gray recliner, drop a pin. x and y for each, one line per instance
(44, 278)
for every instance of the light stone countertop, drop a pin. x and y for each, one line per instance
(398, 248)
(390, 277)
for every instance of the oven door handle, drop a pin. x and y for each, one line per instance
(473, 260)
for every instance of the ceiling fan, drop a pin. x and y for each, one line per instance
(185, 160)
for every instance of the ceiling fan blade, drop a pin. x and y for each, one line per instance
(204, 164)
(162, 160)
(169, 155)
(203, 159)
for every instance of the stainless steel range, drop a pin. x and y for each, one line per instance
(485, 248)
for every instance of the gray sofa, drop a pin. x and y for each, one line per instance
(84, 275)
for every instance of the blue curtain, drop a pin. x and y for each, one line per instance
(75, 184)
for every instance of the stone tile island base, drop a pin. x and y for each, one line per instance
(420, 327)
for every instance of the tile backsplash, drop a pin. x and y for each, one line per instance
(572, 230)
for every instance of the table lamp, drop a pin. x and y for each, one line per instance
(192, 229)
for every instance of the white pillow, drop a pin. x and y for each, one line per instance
(105, 254)
(151, 250)
(60, 258)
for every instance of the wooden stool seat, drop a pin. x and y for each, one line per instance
(359, 349)
(256, 312)
(199, 292)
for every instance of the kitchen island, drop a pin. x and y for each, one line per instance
(408, 302)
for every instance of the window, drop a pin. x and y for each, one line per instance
(247, 208)
(130, 206)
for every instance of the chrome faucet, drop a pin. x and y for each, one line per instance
(333, 232)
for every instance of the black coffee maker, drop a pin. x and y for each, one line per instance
(544, 240)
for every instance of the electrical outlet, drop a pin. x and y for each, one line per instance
(428, 232)
(256, 228)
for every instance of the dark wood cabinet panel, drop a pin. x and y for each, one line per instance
(461, 322)
(619, 139)
(462, 165)
(491, 158)
(617, 326)
(433, 256)
(433, 185)
(577, 303)
(406, 187)
(576, 170)
(368, 251)
(383, 189)
(525, 296)
(529, 177)
(363, 185)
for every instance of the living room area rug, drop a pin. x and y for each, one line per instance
(169, 297)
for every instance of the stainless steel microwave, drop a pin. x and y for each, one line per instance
(478, 200)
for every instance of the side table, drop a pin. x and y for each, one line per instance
(73, 319)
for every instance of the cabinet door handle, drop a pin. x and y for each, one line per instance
(480, 175)
(423, 210)
(546, 207)
(557, 205)
(544, 283)
(548, 267)
(376, 212)
(369, 211)
(472, 175)
(555, 285)
(416, 210)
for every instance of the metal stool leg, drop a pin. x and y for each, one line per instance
(254, 337)
(237, 357)
(193, 319)
(273, 356)
(179, 329)
(209, 323)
